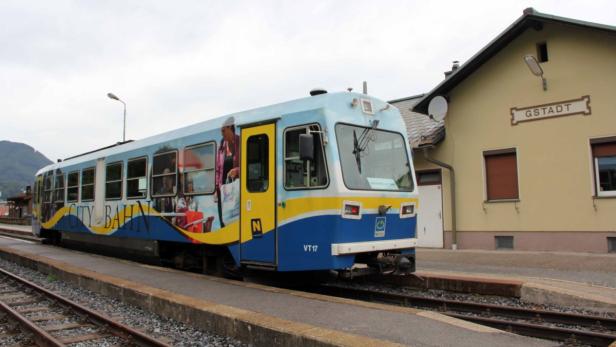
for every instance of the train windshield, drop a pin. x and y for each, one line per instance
(373, 159)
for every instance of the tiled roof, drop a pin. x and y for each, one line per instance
(420, 128)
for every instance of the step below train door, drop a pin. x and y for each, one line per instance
(258, 196)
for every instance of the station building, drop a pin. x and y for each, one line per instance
(522, 161)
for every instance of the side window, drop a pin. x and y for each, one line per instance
(299, 174)
(58, 192)
(199, 169)
(164, 174)
(257, 163)
(113, 181)
(604, 160)
(87, 184)
(72, 186)
(136, 178)
(47, 187)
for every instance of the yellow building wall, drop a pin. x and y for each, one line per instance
(555, 174)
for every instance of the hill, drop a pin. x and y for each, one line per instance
(18, 164)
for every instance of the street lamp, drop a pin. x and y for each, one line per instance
(535, 69)
(112, 96)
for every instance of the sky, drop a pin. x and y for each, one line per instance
(175, 63)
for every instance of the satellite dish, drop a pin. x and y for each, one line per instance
(437, 109)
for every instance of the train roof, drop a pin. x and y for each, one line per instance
(241, 118)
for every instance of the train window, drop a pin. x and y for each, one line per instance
(58, 192)
(136, 178)
(72, 186)
(373, 159)
(164, 174)
(48, 187)
(87, 184)
(299, 174)
(113, 181)
(257, 163)
(199, 169)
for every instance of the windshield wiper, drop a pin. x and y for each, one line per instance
(357, 151)
(360, 145)
(364, 138)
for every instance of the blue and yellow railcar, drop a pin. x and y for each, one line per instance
(320, 183)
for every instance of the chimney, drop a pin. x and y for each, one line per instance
(455, 66)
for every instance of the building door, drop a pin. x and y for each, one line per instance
(258, 195)
(430, 213)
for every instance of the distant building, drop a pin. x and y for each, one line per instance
(534, 161)
(20, 206)
(4, 209)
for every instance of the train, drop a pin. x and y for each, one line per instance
(321, 183)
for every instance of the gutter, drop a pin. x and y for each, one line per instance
(452, 175)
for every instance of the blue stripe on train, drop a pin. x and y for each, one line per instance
(304, 244)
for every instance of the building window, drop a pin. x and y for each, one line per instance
(199, 164)
(136, 178)
(257, 162)
(58, 192)
(113, 181)
(87, 184)
(501, 175)
(542, 52)
(503, 242)
(425, 178)
(164, 174)
(300, 174)
(72, 187)
(604, 157)
(611, 244)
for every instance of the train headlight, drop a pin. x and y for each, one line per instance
(408, 210)
(351, 210)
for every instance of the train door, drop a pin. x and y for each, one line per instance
(258, 195)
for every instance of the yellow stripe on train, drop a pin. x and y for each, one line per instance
(293, 209)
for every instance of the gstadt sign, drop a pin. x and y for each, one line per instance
(555, 109)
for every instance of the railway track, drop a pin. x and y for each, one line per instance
(559, 326)
(13, 234)
(50, 320)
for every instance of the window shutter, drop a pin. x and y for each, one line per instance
(607, 149)
(501, 176)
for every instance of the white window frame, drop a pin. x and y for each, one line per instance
(77, 186)
(134, 197)
(285, 158)
(175, 188)
(504, 150)
(63, 188)
(93, 184)
(121, 180)
(208, 168)
(609, 193)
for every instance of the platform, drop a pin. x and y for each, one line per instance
(254, 313)
(583, 280)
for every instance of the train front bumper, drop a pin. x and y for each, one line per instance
(372, 246)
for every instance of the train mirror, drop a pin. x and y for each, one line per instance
(306, 147)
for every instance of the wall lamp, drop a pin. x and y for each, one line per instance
(535, 69)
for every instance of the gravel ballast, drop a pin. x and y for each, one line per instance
(168, 330)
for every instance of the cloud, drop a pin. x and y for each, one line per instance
(193, 60)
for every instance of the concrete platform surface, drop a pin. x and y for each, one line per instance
(584, 280)
(27, 229)
(372, 324)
